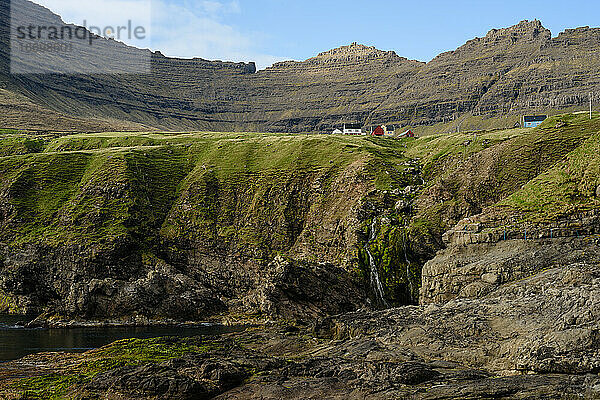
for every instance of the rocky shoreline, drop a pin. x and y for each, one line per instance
(532, 339)
(141, 322)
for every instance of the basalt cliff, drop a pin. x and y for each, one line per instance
(487, 83)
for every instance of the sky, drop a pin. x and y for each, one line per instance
(267, 31)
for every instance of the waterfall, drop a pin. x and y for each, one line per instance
(410, 286)
(375, 281)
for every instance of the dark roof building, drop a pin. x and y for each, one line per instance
(531, 121)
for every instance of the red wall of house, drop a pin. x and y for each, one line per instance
(378, 131)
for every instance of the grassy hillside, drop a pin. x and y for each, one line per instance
(114, 183)
(537, 173)
(213, 206)
(571, 186)
(221, 207)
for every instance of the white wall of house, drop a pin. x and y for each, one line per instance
(352, 131)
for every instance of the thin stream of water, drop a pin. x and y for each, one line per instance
(374, 273)
(410, 286)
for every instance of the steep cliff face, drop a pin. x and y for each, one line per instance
(190, 226)
(488, 82)
(559, 75)
(177, 95)
(166, 93)
(337, 86)
(334, 87)
(454, 83)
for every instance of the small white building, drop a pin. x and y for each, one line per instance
(352, 129)
(337, 132)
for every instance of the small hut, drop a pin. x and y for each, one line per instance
(533, 121)
(378, 131)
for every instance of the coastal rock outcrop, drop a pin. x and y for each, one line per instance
(536, 338)
(179, 227)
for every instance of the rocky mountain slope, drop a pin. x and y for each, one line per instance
(488, 82)
(22, 115)
(456, 82)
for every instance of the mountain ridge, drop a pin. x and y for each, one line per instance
(486, 83)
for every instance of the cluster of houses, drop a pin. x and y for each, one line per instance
(527, 121)
(376, 130)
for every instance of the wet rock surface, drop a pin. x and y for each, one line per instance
(532, 339)
(546, 323)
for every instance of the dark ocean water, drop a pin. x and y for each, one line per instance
(16, 342)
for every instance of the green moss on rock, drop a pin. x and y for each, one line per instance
(128, 352)
(8, 305)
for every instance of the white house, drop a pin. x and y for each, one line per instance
(337, 132)
(352, 129)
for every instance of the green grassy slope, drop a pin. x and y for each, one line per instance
(216, 188)
(123, 203)
(532, 172)
(571, 186)
(130, 199)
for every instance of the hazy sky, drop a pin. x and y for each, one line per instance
(266, 31)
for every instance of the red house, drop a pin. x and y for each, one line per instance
(378, 131)
(408, 133)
